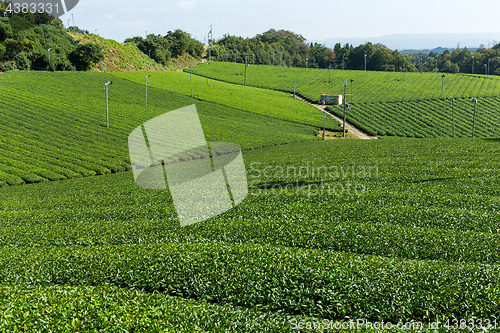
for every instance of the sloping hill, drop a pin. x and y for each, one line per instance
(127, 57)
(53, 125)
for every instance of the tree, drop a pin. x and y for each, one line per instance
(85, 55)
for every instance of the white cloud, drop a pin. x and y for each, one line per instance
(186, 5)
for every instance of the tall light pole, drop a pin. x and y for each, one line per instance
(345, 105)
(472, 65)
(48, 51)
(442, 87)
(489, 67)
(210, 38)
(207, 71)
(436, 66)
(365, 71)
(107, 113)
(453, 114)
(147, 89)
(324, 123)
(474, 119)
(485, 68)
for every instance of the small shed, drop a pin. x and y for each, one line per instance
(331, 99)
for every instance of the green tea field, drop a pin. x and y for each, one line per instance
(383, 104)
(53, 125)
(398, 230)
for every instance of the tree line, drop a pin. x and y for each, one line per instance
(283, 47)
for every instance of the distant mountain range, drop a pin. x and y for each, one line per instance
(418, 42)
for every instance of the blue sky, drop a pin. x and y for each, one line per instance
(315, 19)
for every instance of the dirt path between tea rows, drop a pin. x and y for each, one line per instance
(350, 128)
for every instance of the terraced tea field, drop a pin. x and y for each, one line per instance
(53, 125)
(393, 230)
(261, 101)
(368, 87)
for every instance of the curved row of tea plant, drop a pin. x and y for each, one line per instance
(416, 241)
(53, 125)
(102, 308)
(368, 87)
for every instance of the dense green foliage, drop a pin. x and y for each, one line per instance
(400, 243)
(53, 125)
(172, 45)
(113, 309)
(368, 87)
(426, 119)
(486, 61)
(273, 47)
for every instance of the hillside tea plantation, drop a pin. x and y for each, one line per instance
(53, 125)
(392, 229)
(382, 103)
(261, 101)
(368, 87)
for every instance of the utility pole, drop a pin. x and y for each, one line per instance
(343, 61)
(474, 121)
(489, 67)
(324, 123)
(345, 105)
(73, 17)
(147, 89)
(210, 44)
(472, 65)
(107, 110)
(207, 71)
(453, 114)
(191, 78)
(436, 66)
(49, 56)
(365, 62)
